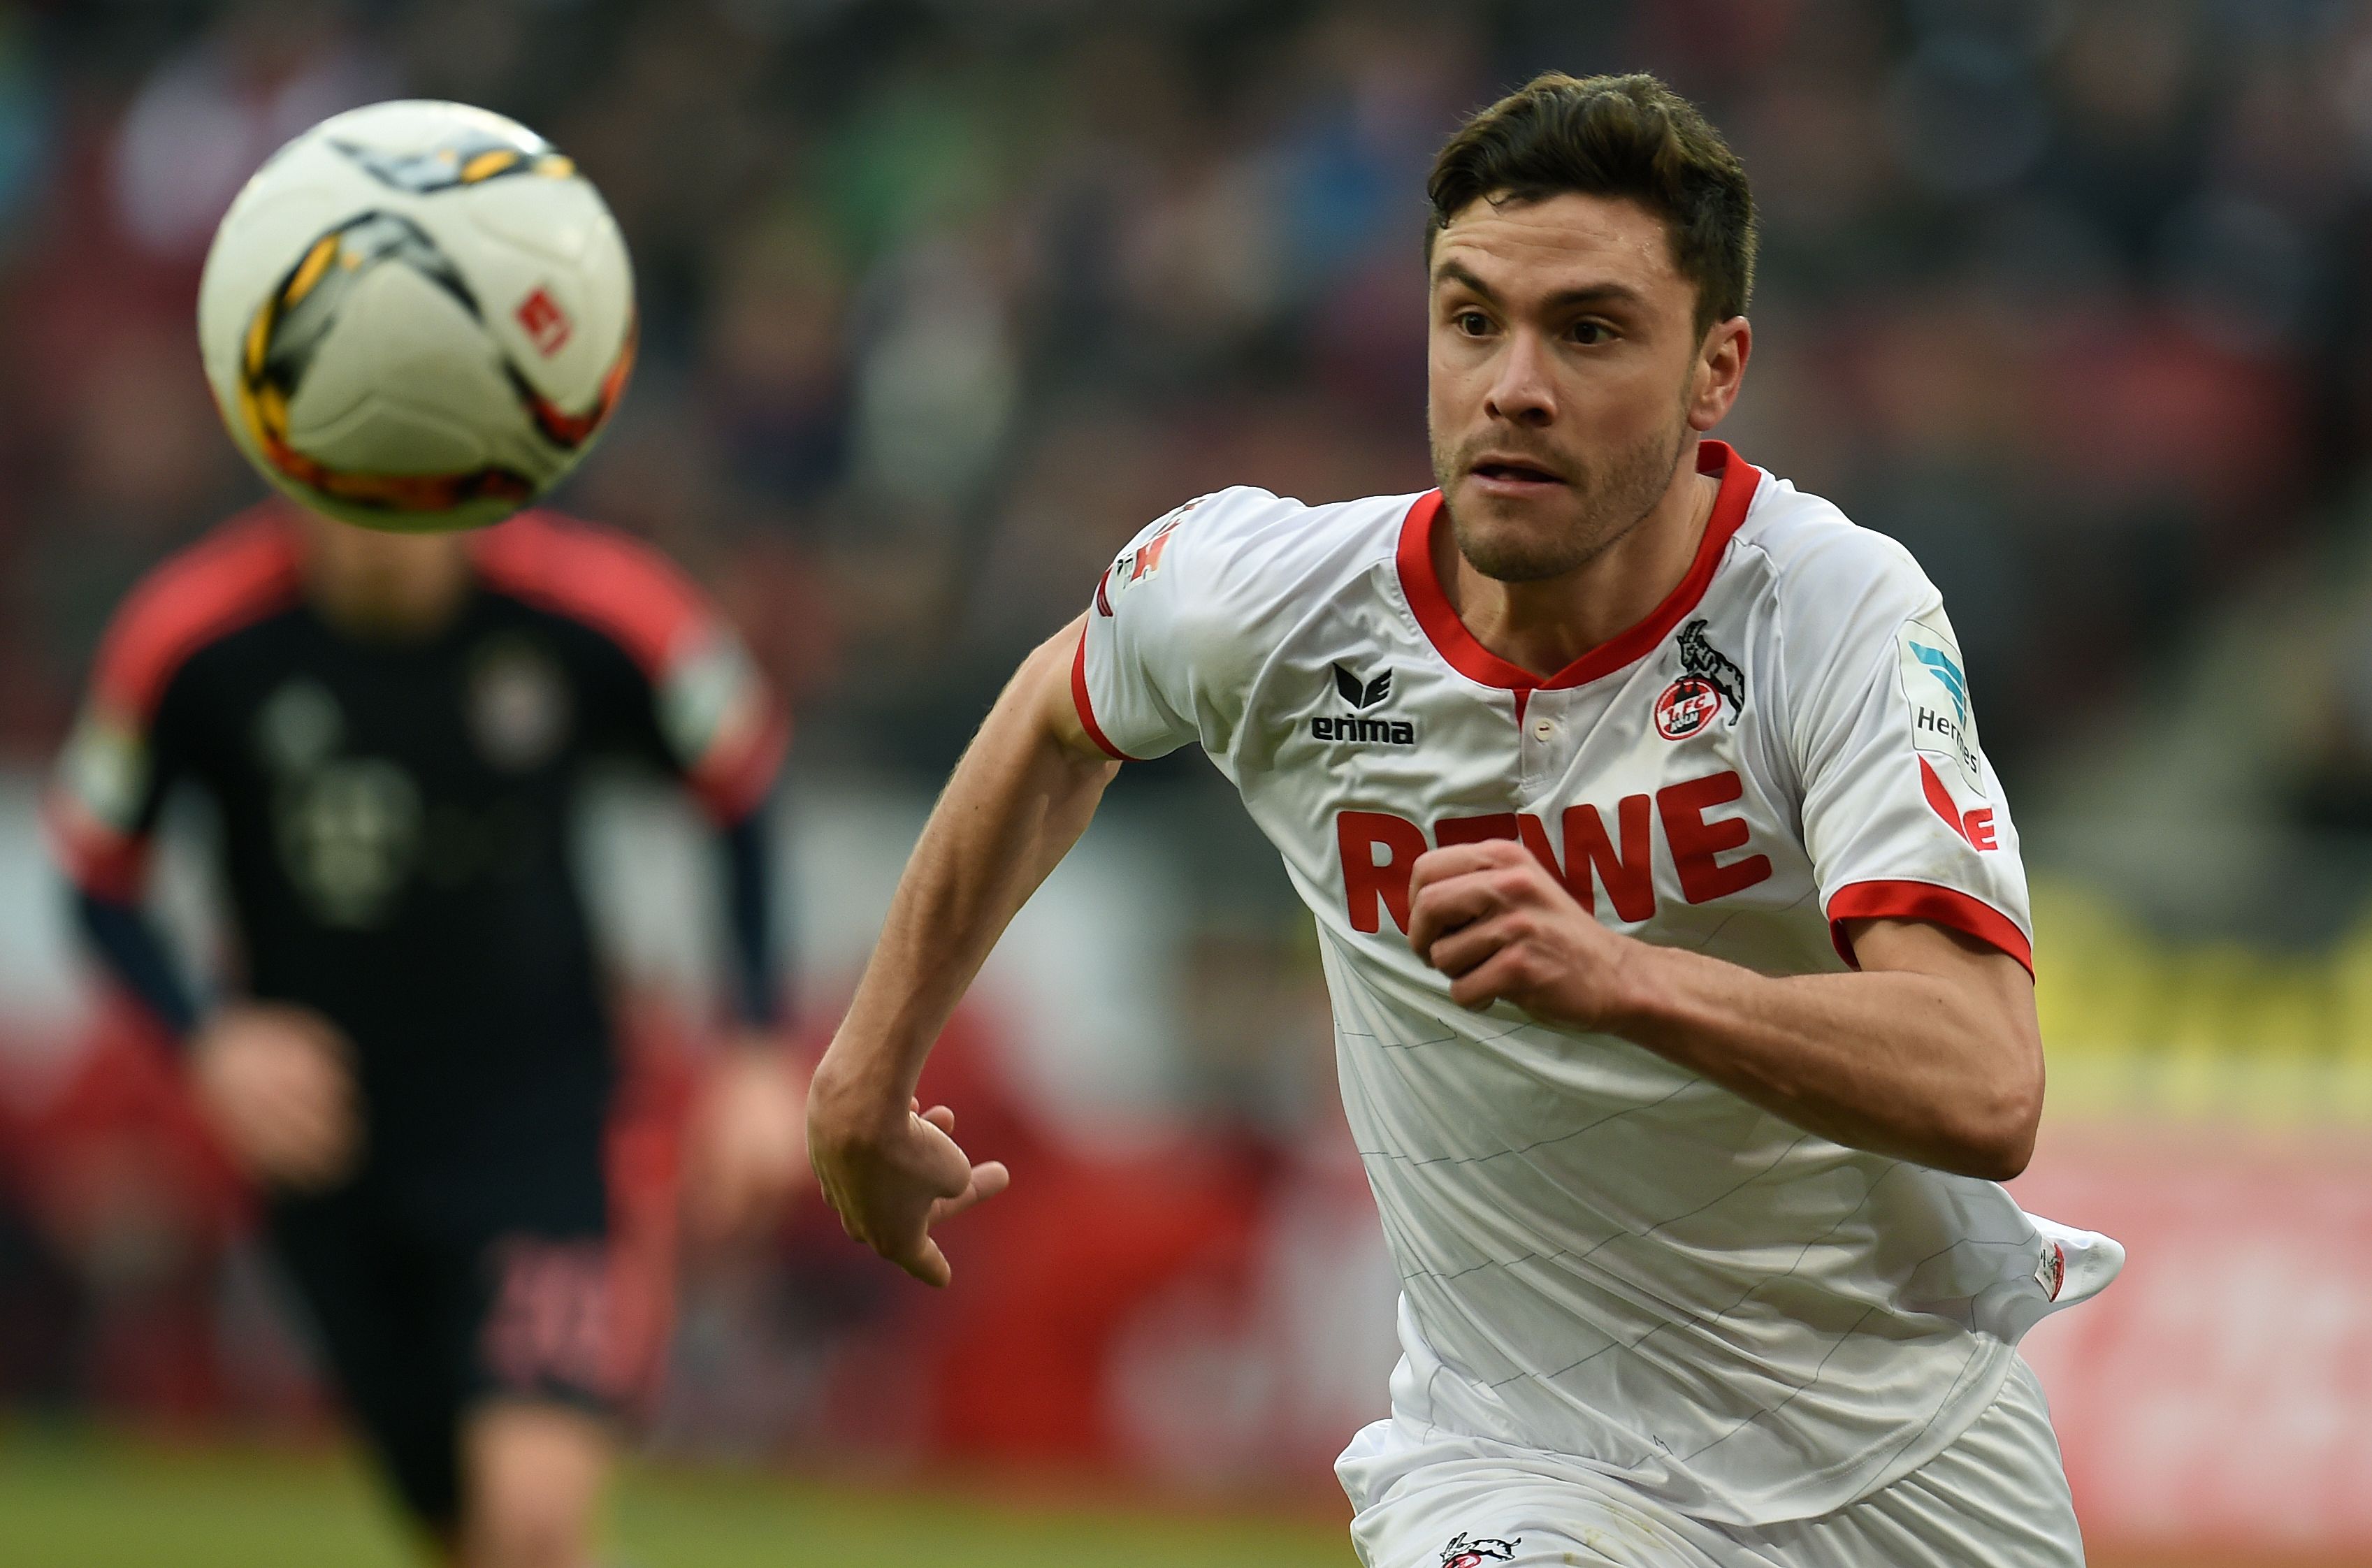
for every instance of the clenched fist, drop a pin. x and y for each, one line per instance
(277, 1081)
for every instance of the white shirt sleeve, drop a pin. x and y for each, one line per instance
(1904, 817)
(1134, 678)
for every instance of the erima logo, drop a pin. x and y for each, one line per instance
(1360, 696)
(1354, 728)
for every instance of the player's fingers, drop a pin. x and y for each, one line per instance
(1460, 860)
(942, 1117)
(925, 1261)
(1445, 906)
(1499, 977)
(937, 1162)
(988, 1179)
(1448, 862)
(1456, 952)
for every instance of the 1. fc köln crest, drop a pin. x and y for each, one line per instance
(1709, 680)
(1687, 706)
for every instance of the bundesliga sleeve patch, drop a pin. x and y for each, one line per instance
(1140, 562)
(1943, 727)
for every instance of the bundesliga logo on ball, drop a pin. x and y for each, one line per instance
(417, 316)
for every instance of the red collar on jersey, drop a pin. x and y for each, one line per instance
(1475, 661)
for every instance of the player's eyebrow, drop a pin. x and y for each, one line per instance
(1452, 271)
(1563, 299)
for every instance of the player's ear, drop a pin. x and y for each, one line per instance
(1719, 371)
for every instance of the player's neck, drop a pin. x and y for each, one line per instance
(384, 587)
(1543, 626)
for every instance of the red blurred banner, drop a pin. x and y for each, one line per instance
(2220, 1392)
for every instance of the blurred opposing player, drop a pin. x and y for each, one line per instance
(1672, 915)
(416, 1062)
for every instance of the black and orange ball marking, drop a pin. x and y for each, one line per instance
(570, 430)
(294, 318)
(466, 160)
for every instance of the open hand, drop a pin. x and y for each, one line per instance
(277, 1081)
(1491, 917)
(892, 1178)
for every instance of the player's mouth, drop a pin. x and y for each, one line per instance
(1511, 476)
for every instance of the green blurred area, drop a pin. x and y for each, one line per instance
(78, 1502)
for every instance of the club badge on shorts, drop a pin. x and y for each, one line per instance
(1472, 1551)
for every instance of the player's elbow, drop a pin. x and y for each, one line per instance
(1994, 1136)
(2003, 1157)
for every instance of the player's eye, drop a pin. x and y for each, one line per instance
(1474, 323)
(1591, 333)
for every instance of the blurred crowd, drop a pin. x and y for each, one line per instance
(944, 300)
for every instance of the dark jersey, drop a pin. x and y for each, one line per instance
(396, 815)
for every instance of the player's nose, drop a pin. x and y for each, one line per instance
(1522, 391)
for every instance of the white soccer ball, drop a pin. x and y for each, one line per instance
(417, 316)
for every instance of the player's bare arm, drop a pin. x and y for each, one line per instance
(1932, 1053)
(1017, 802)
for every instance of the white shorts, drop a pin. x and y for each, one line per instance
(1996, 1498)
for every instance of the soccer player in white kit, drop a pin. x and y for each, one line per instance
(1671, 912)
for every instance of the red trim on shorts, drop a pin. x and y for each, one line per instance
(1947, 907)
(1088, 709)
(242, 572)
(1422, 586)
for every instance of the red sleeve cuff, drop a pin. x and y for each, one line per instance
(94, 857)
(1925, 901)
(735, 777)
(1088, 709)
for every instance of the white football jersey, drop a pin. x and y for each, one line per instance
(1603, 1255)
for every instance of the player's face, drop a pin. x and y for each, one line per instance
(1565, 377)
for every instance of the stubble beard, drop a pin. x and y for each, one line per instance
(1611, 501)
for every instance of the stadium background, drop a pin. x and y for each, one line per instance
(941, 302)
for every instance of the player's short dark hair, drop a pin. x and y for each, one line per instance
(1629, 136)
